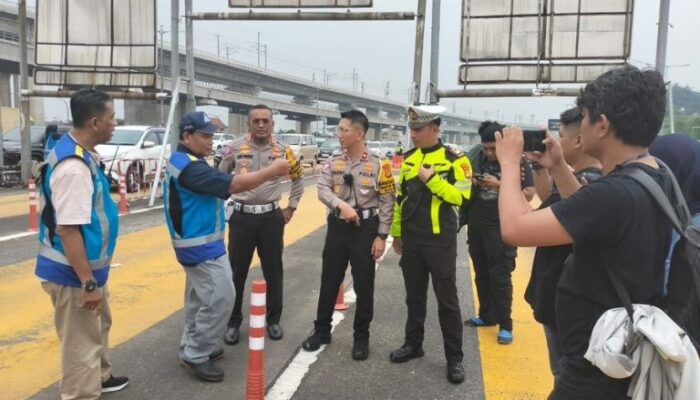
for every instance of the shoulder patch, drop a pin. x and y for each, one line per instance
(453, 151)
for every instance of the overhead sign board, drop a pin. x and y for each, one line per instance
(299, 3)
(77, 38)
(513, 33)
(487, 73)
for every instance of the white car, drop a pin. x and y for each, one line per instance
(387, 149)
(221, 139)
(303, 146)
(375, 147)
(133, 152)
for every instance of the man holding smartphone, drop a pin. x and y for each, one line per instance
(493, 260)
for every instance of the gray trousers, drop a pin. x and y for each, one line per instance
(209, 299)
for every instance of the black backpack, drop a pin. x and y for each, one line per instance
(682, 299)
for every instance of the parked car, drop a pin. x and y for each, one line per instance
(133, 151)
(221, 139)
(11, 144)
(375, 146)
(387, 149)
(304, 146)
(330, 146)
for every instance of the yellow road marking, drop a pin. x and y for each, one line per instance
(519, 371)
(146, 289)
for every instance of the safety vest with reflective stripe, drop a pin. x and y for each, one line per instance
(99, 236)
(195, 221)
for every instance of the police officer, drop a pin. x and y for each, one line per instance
(358, 188)
(194, 212)
(433, 180)
(256, 219)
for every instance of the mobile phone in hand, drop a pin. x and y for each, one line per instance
(533, 140)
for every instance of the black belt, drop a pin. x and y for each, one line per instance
(366, 213)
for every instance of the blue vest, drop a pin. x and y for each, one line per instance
(195, 221)
(99, 236)
(50, 144)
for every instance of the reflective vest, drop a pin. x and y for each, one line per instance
(195, 221)
(99, 236)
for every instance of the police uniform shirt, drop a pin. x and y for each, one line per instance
(243, 155)
(372, 185)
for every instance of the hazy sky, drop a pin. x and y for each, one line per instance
(382, 51)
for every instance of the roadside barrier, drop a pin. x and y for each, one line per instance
(340, 300)
(396, 161)
(255, 384)
(33, 214)
(123, 204)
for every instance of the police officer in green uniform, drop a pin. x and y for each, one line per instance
(358, 188)
(434, 180)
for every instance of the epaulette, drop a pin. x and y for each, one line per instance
(453, 151)
(409, 152)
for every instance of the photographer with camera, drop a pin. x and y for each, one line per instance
(492, 259)
(358, 188)
(548, 263)
(614, 225)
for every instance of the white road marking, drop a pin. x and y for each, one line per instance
(288, 382)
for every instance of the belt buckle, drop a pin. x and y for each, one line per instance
(257, 209)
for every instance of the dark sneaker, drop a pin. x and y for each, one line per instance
(405, 353)
(205, 371)
(232, 335)
(360, 351)
(217, 355)
(114, 384)
(314, 342)
(275, 332)
(455, 372)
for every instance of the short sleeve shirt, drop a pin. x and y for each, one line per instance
(614, 223)
(71, 192)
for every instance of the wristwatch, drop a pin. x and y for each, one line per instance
(383, 236)
(89, 285)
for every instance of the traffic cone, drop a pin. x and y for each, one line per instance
(33, 214)
(340, 300)
(123, 204)
(255, 385)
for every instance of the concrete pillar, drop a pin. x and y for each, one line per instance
(144, 112)
(237, 123)
(305, 126)
(36, 106)
(5, 89)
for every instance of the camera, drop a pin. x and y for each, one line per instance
(533, 140)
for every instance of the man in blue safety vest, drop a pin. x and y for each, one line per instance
(77, 234)
(193, 195)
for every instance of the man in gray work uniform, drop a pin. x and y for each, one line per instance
(358, 188)
(256, 219)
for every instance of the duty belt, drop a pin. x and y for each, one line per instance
(254, 208)
(366, 213)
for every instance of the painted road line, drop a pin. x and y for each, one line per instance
(289, 380)
(146, 289)
(519, 370)
(29, 233)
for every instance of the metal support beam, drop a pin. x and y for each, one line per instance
(26, 94)
(573, 92)
(662, 37)
(301, 16)
(418, 55)
(174, 59)
(434, 51)
(189, 49)
(25, 142)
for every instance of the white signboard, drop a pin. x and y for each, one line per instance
(105, 37)
(299, 3)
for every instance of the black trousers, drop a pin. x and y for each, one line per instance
(345, 243)
(264, 232)
(493, 262)
(419, 263)
(578, 379)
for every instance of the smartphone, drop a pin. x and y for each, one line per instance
(533, 140)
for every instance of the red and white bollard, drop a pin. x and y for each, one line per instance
(123, 204)
(33, 214)
(340, 300)
(255, 387)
